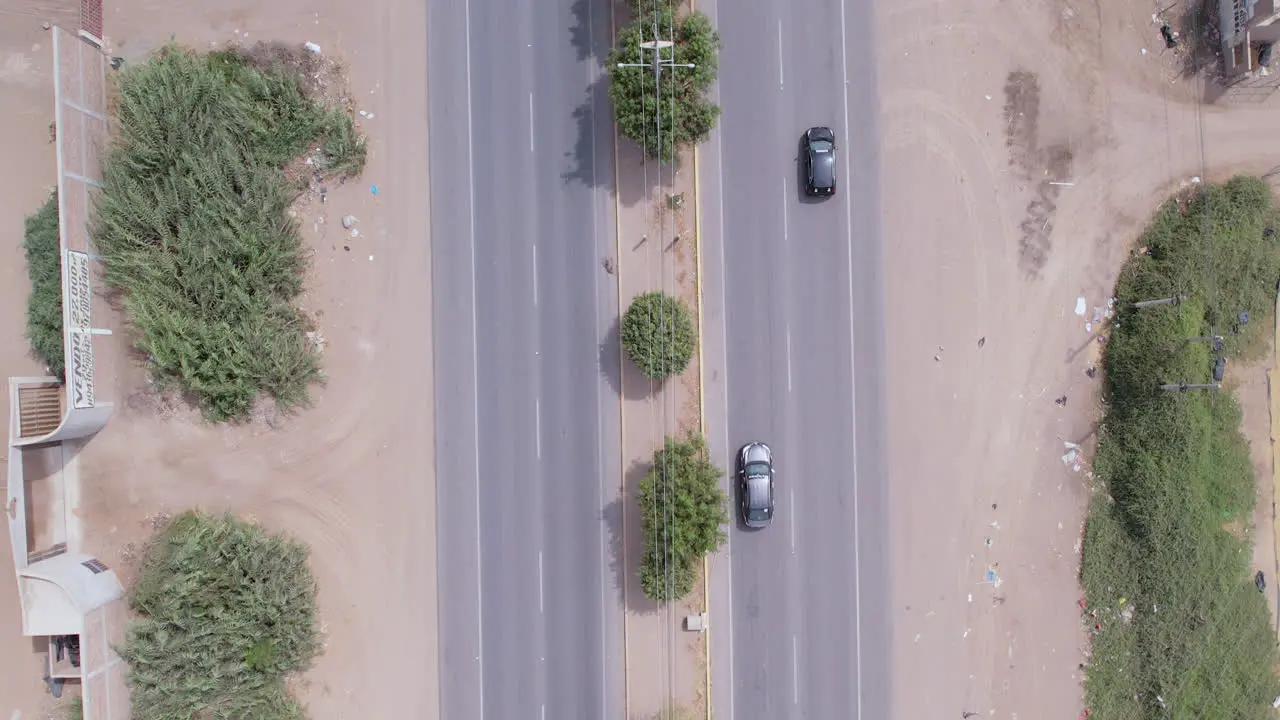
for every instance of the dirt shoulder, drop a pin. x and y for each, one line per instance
(26, 110)
(351, 476)
(983, 101)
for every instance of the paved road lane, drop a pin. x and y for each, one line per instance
(525, 441)
(803, 327)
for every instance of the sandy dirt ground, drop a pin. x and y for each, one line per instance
(352, 477)
(984, 103)
(26, 109)
(1250, 386)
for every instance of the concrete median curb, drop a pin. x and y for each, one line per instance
(702, 395)
(702, 392)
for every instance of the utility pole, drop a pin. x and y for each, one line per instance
(657, 46)
(1183, 387)
(1176, 299)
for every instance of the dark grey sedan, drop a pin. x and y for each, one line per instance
(755, 478)
(820, 161)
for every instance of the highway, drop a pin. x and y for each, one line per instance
(794, 298)
(521, 166)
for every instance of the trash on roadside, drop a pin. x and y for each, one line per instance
(1081, 306)
(992, 577)
(312, 47)
(348, 221)
(373, 189)
(1072, 458)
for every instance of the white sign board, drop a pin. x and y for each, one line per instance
(79, 298)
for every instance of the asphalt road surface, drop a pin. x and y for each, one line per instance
(527, 425)
(803, 332)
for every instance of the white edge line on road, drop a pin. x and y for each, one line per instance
(531, 122)
(541, 604)
(853, 385)
(537, 435)
(785, 231)
(789, 358)
(795, 671)
(780, 54)
(724, 378)
(535, 274)
(791, 513)
(475, 364)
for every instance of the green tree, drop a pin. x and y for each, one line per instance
(686, 114)
(44, 303)
(683, 514)
(227, 612)
(658, 333)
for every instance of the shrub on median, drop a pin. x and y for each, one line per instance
(658, 333)
(41, 243)
(193, 224)
(1178, 629)
(683, 514)
(228, 613)
(677, 100)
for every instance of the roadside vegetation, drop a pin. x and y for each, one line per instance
(658, 333)
(44, 304)
(72, 708)
(227, 614)
(674, 711)
(193, 220)
(683, 514)
(1179, 629)
(677, 98)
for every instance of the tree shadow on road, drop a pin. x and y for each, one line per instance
(610, 356)
(628, 545)
(590, 161)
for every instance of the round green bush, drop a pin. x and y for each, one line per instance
(658, 334)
